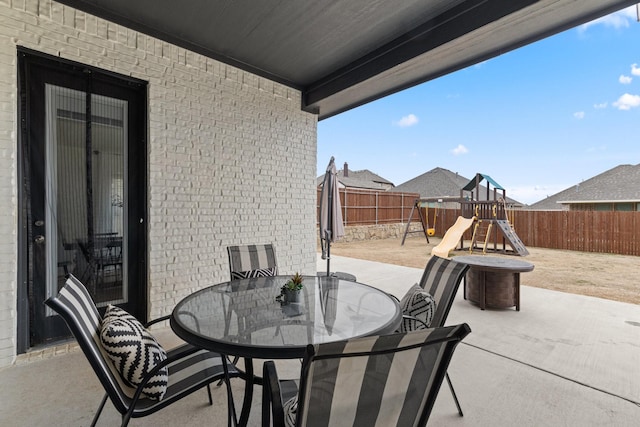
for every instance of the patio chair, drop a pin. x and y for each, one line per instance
(188, 368)
(390, 380)
(248, 261)
(441, 279)
(109, 256)
(252, 261)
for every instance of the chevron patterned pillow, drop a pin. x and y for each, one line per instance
(418, 304)
(261, 272)
(134, 351)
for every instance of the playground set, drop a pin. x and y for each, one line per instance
(490, 218)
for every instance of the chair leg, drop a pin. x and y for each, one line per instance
(97, 415)
(453, 393)
(232, 420)
(209, 393)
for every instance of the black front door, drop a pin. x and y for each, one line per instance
(83, 196)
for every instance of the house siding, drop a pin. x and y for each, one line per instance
(231, 156)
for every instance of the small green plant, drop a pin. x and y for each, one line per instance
(294, 283)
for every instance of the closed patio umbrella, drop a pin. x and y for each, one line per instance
(331, 227)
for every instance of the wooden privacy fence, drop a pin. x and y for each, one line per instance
(586, 231)
(370, 207)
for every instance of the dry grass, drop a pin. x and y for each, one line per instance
(613, 277)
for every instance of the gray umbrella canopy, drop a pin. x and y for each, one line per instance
(331, 226)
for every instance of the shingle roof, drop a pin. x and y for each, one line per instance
(435, 183)
(360, 179)
(619, 184)
(441, 183)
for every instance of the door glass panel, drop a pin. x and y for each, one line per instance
(85, 191)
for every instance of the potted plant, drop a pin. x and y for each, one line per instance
(291, 289)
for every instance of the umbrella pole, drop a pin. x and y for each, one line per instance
(328, 236)
(329, 222)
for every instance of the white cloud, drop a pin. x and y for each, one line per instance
(407, 121)
(627, 102)
(620, 19)
(460, 149)
(625, 80)
(601, 105)
(635, 70)
(579, 115)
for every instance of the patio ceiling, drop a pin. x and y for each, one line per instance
(344, 53)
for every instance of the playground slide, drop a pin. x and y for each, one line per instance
(452, 237)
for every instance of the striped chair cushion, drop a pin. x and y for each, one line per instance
(252, 261)
(261, 272)
(387, 380)
(417, 304)
(441, 278)
(134, 351)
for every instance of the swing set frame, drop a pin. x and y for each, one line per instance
(427, 229)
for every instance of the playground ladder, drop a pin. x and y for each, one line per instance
(479, 232)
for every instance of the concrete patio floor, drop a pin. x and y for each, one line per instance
(563, 359)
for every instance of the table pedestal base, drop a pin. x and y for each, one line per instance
(492, 289)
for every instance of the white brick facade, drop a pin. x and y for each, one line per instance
(232, 158)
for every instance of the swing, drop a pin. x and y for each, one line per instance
(432, 231)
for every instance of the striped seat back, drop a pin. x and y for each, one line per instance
(76, 307)
(383, 381)
(441, 278)
(252, 261)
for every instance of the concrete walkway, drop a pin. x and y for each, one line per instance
(563, 359)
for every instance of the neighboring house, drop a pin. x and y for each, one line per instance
(442, 184)
(617, 189)
(362, 179)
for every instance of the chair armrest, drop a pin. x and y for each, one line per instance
(271, 396)
(158, 320)
(185, 351)
(178, 353)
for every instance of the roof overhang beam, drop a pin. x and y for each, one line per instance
(448, 26)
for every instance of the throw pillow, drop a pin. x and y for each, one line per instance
(261, 272)
(418, 304)
(290, 409)
(134, 351)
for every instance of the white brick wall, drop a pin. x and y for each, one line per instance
(231, 155)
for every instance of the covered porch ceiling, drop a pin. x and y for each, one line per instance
(344, 53)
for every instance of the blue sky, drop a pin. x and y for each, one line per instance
(537, 120)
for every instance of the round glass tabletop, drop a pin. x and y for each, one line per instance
(243, 317)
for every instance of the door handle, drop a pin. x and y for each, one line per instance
(39, 239)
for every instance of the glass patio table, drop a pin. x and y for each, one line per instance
(243, 318)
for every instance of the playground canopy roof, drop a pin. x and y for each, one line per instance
(478, 179)
(344, 53)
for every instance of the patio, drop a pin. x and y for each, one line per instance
(562, 360)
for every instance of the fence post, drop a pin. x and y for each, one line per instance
(377, 203)
(344, 217)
